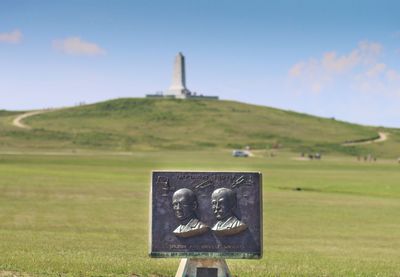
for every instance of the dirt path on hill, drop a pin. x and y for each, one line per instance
(17, 122)
(382, 137)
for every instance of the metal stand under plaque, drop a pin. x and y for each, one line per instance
(193, 267)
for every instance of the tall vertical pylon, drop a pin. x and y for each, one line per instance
(178, 86)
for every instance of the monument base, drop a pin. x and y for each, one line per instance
(194, 267)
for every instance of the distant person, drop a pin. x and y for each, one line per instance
(185, 204)
(223, 202)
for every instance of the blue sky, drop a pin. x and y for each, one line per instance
(328, 58)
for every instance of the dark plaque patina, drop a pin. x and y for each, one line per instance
(206, 214)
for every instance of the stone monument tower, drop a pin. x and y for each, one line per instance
(178, 86)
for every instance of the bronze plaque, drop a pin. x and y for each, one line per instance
(206, 214)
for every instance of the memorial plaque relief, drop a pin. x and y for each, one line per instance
(206, 215)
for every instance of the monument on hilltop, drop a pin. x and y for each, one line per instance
(178, 87)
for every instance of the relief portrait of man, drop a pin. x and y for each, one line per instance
(184, 204)
(223, 201)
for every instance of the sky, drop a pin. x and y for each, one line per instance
(327, 58)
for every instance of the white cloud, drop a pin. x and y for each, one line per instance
(11, 37)
(369, 52)
(360, 69)
(316, 87)
(379, 79)
(331, 63)
(376, 70)
(393, 75)
(396, 34)
(297, 69)
(76, 46)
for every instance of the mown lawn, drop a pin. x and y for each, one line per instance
(87, 214)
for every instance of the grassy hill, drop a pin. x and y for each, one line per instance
(150, 124)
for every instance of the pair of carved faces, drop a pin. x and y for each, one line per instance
(184, 203)
(223, 202)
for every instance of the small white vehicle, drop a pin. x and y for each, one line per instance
(240, 153)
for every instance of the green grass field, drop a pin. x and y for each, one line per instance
(86, 213)
(166, 124)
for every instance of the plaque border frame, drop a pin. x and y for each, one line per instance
(229, 255)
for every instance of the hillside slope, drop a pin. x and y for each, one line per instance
(145, 124)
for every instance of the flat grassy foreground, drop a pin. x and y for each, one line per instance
(87, 214)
